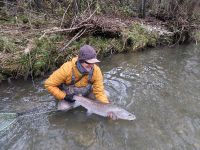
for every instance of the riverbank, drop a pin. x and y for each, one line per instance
(33, 44)
(29, 51)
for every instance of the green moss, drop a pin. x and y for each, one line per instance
(19, 19)
(7, 44)
(4, 16)
(136, 37)
(23, 19)
(103, 46)
(38, 60)
(42, 56)
(127, 11)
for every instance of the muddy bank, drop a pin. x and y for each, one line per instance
(38, 36)
(26, 52)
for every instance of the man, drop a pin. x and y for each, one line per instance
(82, 76)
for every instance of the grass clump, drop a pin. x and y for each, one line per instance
(37, 61)
(136, 37)
(42, 57)
(7, 45)
(196, 36)
(104, 47)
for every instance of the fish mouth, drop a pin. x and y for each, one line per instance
(132, 117)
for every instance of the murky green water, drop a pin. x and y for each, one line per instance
(161, 86)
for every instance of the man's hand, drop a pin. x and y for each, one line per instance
(112, 116)
(69, 98)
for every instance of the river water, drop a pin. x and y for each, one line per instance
(161, 86)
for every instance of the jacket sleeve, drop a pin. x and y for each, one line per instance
(98, 87)
(56, 78)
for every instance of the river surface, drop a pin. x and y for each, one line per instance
(160, 86)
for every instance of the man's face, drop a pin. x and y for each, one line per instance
(87, 66)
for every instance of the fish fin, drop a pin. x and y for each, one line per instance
(76, 104)
(89, 113)
(64, 106)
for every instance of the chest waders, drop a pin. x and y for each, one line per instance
(84, 91)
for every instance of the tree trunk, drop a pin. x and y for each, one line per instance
(76, 6)
(142, 5)
(38, 4)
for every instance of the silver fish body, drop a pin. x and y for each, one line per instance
(102, 109)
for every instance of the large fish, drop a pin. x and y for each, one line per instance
(102, 109)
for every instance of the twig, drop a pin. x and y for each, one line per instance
(55, 29)
(75, 18)
(65, 14)
(29, 21)
(74, 38)
(88, 17)
(179, 37)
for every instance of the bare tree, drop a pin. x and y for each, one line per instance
(76, 6)
(142, 4)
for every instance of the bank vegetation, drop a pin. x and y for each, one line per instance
(38, 36)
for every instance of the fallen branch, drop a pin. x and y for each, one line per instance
(56, 29)
(81, 32)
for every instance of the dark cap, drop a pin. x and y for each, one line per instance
(87, 53)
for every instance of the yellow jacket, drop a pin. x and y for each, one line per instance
(64, 75)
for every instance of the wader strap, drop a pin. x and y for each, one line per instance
(73, 78)
(90, 76)
(74, 81)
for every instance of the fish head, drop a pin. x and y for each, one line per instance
(125, 115)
